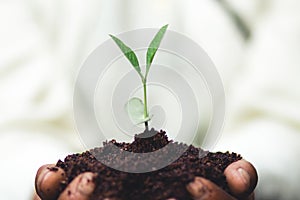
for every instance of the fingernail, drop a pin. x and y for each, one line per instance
(196, 188)
(86, 185)
(48, 181)
(244, 176)
(40, 176)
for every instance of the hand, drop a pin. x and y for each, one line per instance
(49, 178)
(241, 177)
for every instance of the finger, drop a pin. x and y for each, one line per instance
(36, 197)
(202, 189)
(80, 188)
(251, 196)
(48, 180)
(241, 177)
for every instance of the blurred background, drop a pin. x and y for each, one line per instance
(255, 44)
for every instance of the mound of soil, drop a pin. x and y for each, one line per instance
(168, 182)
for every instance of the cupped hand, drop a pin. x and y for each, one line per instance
(241, 177)
(49, 179)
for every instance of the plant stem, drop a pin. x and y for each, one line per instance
(145, 103)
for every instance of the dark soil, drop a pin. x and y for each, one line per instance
(168, 182)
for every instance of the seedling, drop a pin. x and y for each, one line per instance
(136, 108)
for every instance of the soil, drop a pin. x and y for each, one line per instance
(168, 182)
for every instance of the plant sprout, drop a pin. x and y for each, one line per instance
(137, 109)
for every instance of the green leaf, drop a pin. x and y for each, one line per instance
(135, 109)
(153, 47)
(130, 55)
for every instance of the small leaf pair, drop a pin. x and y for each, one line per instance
(136, 108)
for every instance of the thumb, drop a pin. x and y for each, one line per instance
(203, 189)
(80, 188)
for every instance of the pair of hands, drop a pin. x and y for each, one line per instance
(241, 177)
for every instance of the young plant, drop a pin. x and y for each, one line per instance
(137, 109)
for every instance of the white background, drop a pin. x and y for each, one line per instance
(43, 44)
